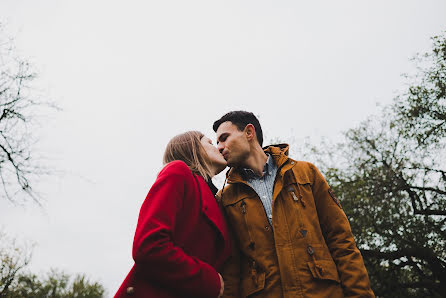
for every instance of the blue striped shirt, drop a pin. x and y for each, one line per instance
(264, 185)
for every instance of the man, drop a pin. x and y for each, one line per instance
(291, 236)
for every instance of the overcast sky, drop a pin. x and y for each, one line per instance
(129, 75)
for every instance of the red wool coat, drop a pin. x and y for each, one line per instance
(181, 239)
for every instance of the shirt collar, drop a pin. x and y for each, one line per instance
(249, 174)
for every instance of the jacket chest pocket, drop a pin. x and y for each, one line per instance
(300, 209)
(240, 215)
(299, 189)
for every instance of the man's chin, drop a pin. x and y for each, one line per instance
(220, 169)
(232, 164)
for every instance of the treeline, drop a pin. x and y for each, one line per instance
(16, 281)
(390, 176)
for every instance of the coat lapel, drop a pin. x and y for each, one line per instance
(210, 208)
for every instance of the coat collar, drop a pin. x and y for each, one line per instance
(212, 187)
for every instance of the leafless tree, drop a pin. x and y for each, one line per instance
(19, 104)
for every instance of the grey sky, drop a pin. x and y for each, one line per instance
(129, 75)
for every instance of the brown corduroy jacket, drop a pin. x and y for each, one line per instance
(308, 252)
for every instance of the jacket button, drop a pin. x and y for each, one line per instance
(267, 228)
(310, 250)
(130, 291)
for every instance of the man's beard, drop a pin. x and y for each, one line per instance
(238, 161)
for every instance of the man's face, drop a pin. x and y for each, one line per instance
(232, 143)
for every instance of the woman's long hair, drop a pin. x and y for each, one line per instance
(187, 147)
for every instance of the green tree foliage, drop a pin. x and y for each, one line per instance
(390, 176)
(55, 285)
(13, 258)
(421, 111)
(17, 282)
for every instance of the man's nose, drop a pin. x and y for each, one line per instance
(220, 147)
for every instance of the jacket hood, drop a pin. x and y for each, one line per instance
(277, 149)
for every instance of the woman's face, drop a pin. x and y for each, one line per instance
(216, 160)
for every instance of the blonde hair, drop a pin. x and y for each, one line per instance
(188, 148)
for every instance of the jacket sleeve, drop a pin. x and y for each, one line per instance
(158, 257)
(231, 268)
(339, 238)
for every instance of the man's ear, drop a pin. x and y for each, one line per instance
(250, 132)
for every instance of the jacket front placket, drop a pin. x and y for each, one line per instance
(291, 283)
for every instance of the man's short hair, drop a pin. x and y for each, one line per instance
(241, 119)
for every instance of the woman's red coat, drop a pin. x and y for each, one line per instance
(181, 239)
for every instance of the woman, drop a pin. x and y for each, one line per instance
(181, 238)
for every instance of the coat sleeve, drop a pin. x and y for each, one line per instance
(231, 268)
(158, 257)
(339, 238)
